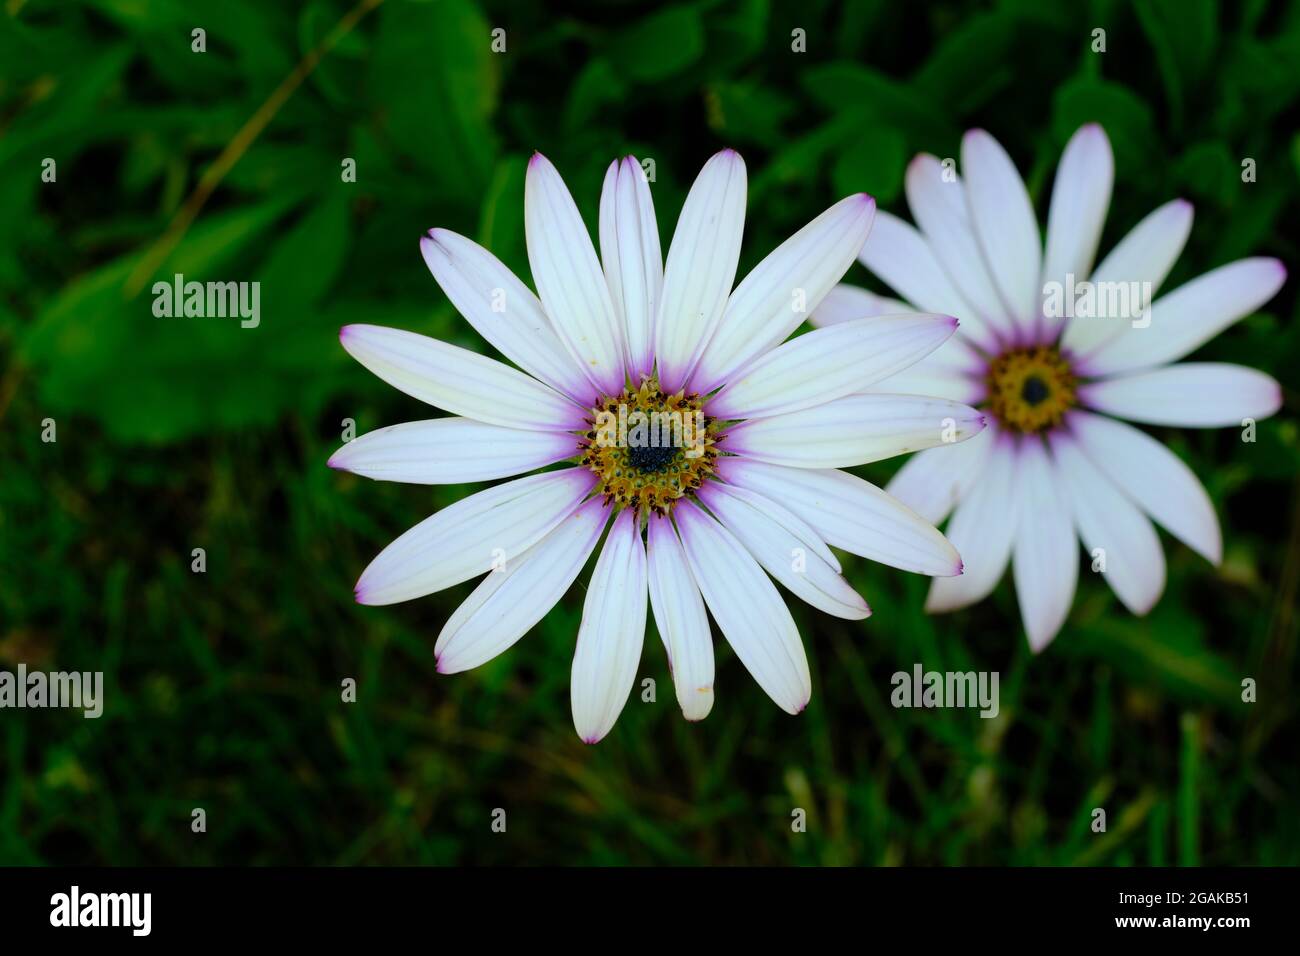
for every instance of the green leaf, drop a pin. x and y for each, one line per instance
(1208, 170)
(339, 75)
(735, 33)
(791, 165)
(1128, 121)
(1167, 649)
(145, 378)
(434, 80)
(660, 46)
(1182, 33)
(596, 86)
(501, 223)
(851, 87)
(748, 113)
(873, 163)
(972, 63)
(307, 259)
(55, 125)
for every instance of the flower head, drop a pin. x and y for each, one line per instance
(1056, 350)
(704, 449)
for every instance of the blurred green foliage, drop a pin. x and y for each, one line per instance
(223, 688)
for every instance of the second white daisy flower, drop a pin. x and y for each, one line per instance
(1056, 351)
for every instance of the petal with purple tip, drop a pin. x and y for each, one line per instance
(778, 295)
(458, 380)
(511, 599)
(443, 451)
(467, 538)
(569, 278)
(749, 610)
(681, 619)
(611, 633)
(701, 266)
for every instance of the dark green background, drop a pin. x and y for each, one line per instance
(223, 688)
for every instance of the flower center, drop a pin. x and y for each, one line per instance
(1030, 389)
(648, 449)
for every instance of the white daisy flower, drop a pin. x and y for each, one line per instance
(740, 475)
(1055, 360)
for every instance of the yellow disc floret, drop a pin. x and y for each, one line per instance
(648, 449)
(1030, 390)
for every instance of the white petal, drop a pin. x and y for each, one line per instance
(782, 515)
(934, 381)
(1112, 528)
(830, 363)
(850, 513)
(1046, 562)
(458, 380)
(1080, 200)
(1193, 394)
(777, 296)
(633, 263)
(611, 633)
(681, 619)
(701, 266)
(568, 277)
(502, 309)
(954, 371)
(747, 607)
(1154, 477)
(933, 481)
(783, 555)
(901, 257)
(937, 199)
(466, 538)
(1144, 256)
(1191, 315)
(854, 430)
(982, 530)
(443, 451)
(844, 303)
(516, 595)
(1004, 223)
